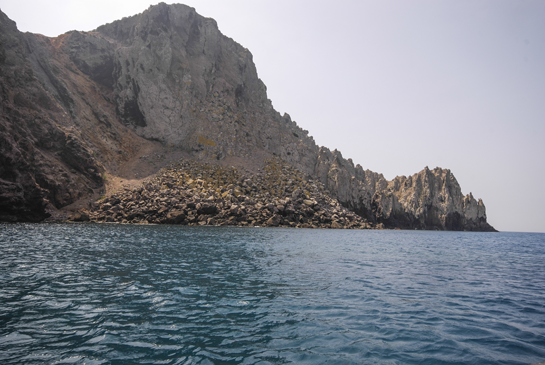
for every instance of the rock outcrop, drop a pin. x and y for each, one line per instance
(86, 103)
(430, 199)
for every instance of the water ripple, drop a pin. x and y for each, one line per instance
(110, 294)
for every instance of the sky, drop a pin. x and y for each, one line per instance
(396, 85)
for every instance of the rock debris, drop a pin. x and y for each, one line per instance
(200, 193)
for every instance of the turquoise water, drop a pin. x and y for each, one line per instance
(112, 294)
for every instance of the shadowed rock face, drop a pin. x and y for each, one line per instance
(81, 104)
(58, 132)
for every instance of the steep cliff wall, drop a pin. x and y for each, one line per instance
(58, 132)
(38, 156)
(84, 103)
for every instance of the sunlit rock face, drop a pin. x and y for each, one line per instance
(430, 199)
(85, 103)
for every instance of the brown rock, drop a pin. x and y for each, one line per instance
(274, 221)
(175, 217)
(81, 216)
(336, 225)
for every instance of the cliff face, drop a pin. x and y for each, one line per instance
(175, 78)
(41, 159)
(85, 103)
(58, 129)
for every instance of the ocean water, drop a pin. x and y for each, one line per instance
(120, 294)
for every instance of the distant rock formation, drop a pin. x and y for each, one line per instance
(84, 103)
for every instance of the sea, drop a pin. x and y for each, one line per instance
(155, 294)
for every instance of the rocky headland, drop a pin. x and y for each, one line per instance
(85, 109)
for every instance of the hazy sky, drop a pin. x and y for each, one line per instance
(396, 85)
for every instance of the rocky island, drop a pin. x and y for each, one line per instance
(160, 118)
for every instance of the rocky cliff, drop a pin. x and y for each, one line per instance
(85, 105)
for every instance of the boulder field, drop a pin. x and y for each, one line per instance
(197, 193)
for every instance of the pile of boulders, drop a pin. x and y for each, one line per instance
(197, 193)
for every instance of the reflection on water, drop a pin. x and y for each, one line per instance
(100, 294)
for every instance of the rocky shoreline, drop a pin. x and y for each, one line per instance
(199, 193)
